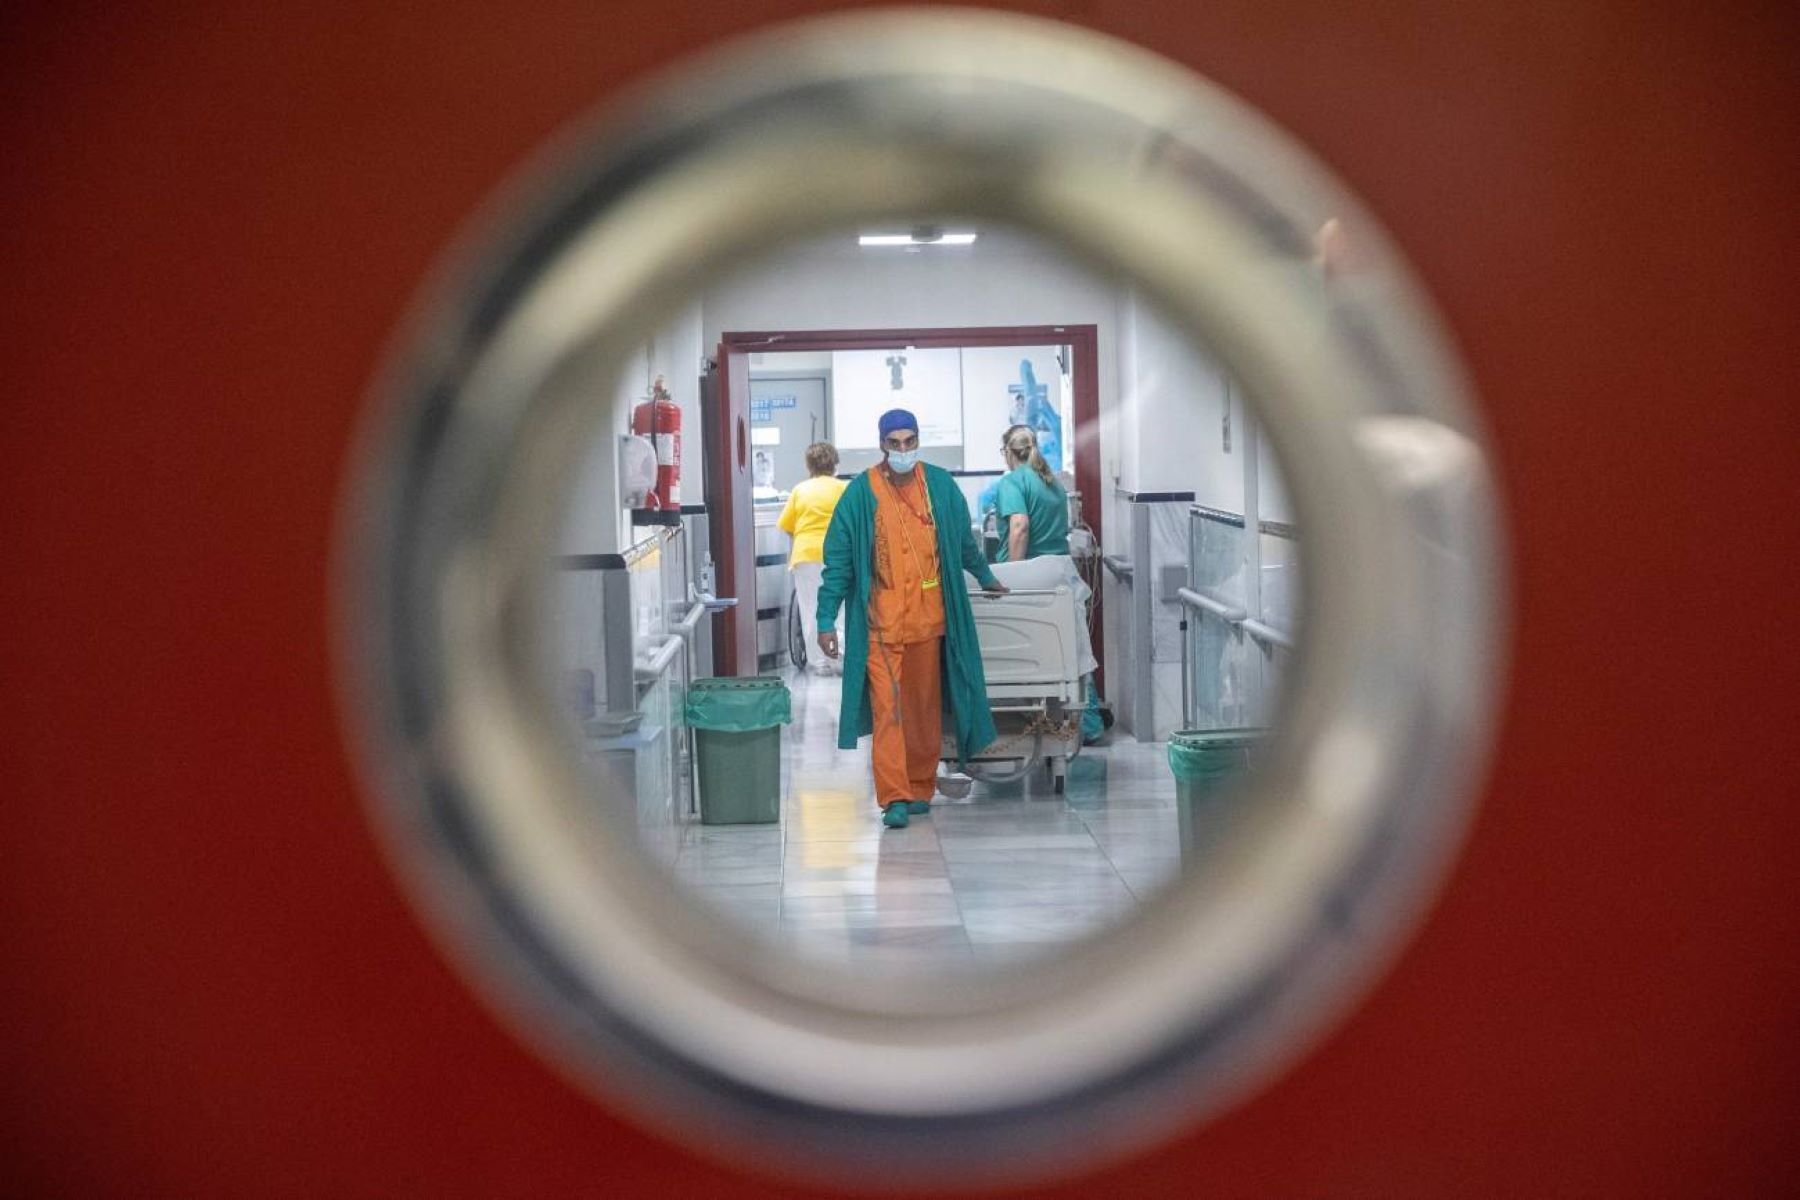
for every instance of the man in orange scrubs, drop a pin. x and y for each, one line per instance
(888, 541)
(906, 619)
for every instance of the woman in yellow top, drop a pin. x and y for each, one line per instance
(805, 519)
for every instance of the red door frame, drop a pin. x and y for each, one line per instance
(732, 516)
(1083, 341)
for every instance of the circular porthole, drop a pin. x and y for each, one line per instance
(1136, 169)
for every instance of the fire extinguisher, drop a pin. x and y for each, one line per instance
(659, 419)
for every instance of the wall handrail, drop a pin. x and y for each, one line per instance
(689, 625)
(1120, 568)
(657, 663)
(1266, 634)
(1218, 608)
(711, 602)
(975, 593)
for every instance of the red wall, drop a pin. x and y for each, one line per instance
(211, 219)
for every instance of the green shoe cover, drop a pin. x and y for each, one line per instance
(895, 815)
(915, 807)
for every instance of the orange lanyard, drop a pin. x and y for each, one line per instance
(925, 584)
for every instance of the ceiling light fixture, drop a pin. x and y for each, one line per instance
(922, 235)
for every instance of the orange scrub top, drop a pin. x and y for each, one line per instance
(907, 602)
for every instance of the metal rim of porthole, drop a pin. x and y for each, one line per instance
(1138, 168)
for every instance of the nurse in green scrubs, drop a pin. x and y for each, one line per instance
(1033, 508)
(1034, 520)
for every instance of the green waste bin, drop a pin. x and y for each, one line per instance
(1205, 762)
(737, 747)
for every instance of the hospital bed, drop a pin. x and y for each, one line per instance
(1033, 652)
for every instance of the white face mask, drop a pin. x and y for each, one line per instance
(901, 462)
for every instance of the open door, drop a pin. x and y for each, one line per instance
(730, 513)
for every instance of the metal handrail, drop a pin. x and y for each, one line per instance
(659, 660)
(1225, 612)
(1267, 634)
(689, 625)
(686, 630)
(985, 595)
(1121, 570)
(1237, 618)
(713, 603)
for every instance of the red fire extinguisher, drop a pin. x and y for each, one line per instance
(659, 419)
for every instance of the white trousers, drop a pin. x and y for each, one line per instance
(807, 577)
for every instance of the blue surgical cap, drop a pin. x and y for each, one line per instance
(897, 418)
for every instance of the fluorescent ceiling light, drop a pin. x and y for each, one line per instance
(918, 238)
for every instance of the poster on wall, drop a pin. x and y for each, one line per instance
(1004, 386)
(866, 383)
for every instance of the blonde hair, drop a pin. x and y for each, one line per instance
(821, 458)
(1021, 448)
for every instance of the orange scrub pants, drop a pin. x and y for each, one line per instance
(905, 696)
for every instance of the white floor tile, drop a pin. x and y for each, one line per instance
(1007, 872)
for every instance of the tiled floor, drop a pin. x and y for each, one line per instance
(1012, 870)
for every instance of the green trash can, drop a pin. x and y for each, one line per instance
(737, 747)
(1205, 762)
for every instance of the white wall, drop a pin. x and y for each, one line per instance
(1003, 280)
(787, 362)
(1119, 423)
(862, 388)
(1272, 494)
(832, 286)
(1174, 400)
(597, 523)
(1174, 405)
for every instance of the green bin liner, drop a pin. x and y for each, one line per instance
(738, 705)
(1202, 759)
(737, 747)
(1205, 762)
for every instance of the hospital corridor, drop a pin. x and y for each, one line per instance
(1106, 469)
(1011, 869)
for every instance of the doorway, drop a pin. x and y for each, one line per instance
(788, 413)
(783, 399)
